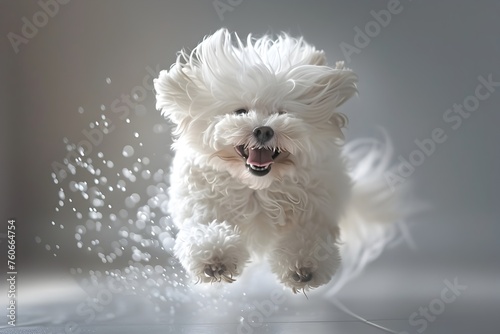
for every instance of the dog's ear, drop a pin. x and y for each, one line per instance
(178, 88)
(172, 90)
(321, 90)
(327, 88)
(343, 84)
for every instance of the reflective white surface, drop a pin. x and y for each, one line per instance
(464, 303)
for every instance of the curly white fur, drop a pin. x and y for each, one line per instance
(286, 210)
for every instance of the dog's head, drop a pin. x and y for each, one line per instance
(260, 110)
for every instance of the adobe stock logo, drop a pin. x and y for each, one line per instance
(262, 310)
(454, 117)
(221, 6)
(30, 28)
(363, 37)
(437, 306)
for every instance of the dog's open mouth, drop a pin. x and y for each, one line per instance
(258, 160)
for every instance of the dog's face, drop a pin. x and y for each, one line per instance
(260, 111)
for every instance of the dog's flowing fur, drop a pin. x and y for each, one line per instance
(228, 214)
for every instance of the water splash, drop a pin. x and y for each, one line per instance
(113, 206)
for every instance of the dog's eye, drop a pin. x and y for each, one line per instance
(281, 112)
(241, 112)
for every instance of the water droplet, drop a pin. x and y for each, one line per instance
(137, 166)
(140, 224)
(121, 184)
(81, 110)
(123, 213)
(128, 151)
(97, 202)
(151, 190)
(103, 107)
(132, 200)
(95, 215)
(126, 172)
(159, 128)
(108, 81)
(146, 174)
(81, 229)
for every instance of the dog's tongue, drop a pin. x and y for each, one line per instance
(260, 157)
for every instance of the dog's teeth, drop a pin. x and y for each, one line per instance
(258, 168)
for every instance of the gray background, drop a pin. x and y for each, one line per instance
(426, 59)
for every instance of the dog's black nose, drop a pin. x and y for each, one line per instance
(263, 133)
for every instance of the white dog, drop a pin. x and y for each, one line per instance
(258, 171)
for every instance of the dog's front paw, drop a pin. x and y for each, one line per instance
(300, 278)
(304, 277)
(301, 275)
(218, 272)
(301, 264)
(212, 253)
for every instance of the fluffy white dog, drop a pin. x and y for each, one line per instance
(258, 171)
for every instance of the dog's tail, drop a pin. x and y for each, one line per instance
(374, 217)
